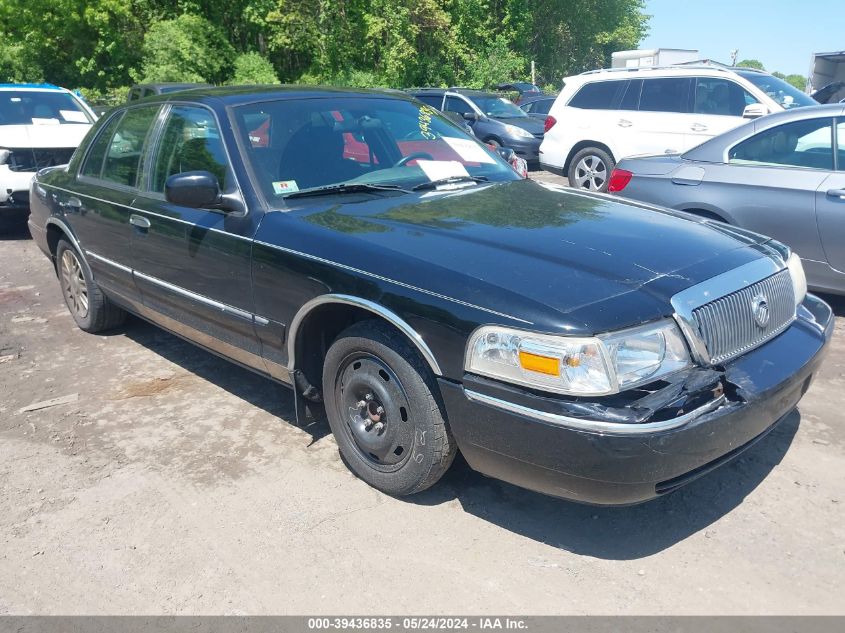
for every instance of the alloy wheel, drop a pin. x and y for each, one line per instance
(73, 284)
(591, 173)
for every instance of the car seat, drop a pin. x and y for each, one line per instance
(313, 157)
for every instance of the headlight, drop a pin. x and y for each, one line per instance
(799, 279)
(518, 131)
(593, 366)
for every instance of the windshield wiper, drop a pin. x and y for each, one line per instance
(345, 187)
(448, 181)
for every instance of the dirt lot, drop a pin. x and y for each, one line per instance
(177, 483)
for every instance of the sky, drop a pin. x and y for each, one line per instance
(783, 34)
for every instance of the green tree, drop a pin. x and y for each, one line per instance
(252, 68)
(799, 81)
(16, 66)
(187, 48)
(751, 63)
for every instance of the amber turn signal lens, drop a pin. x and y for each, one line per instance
(540, 364)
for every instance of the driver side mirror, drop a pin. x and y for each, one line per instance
(194, 189)
(754, 110)
(472, 117)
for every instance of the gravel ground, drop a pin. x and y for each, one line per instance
(170, 481)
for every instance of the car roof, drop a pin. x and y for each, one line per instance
(537, 98)
(32, 87)
(238, 95)
(713, 150)
(662, 71)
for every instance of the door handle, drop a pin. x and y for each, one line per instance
(698, 127)
(624, 123)
(139, 221)
(836, 193)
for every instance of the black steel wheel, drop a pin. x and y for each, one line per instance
(381, 405)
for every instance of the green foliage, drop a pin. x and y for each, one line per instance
(187, 48)
(252, 68)
(799, 81)
(105, 44)
(751, 63)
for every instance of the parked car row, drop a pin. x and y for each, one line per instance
(397, 274)
(603, 116)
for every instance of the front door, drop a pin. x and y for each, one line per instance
(193, 265)
(717, 107)
(830, 207)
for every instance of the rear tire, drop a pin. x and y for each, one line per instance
(590, 169)
(383, 407)
(89, 307)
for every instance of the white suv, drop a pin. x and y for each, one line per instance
(603, 116)
(40, 126)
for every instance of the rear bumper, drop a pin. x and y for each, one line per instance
(526, 447)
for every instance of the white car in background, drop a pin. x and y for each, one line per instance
(40, 126)
(603, 116)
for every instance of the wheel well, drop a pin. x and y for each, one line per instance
(493, 138)
(583, 145)
(54, 234)
(704, 213)
(318, 331)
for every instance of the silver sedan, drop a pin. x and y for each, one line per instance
(782, 175)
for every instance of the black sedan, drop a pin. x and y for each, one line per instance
(406, 283)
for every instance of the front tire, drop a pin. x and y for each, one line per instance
(381, 402)
(590, 169)
(89, 307)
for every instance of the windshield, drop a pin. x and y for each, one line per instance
(31, 107)
(786, 95)
(300, 144)
(498, 107)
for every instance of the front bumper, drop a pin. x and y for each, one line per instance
(14, 190)
(529, 149)
(535, 449)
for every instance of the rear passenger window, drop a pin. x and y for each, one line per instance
(807, 144)
(123, 160)
(93, 166)
(598, 95)
(665, 95)
(631, 98)
(720, 96)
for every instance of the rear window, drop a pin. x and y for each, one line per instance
(25, 107)
(669, 94)
(599, 95)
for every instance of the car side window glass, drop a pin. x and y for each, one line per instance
(670, 94)
(720, 96)
(840, 145)
(433, 100)
(454, 104)
(631, 98)
(807, 144)
(93, 165)
(598, 95)
(191, 142)
(122, 163)
(542, 107)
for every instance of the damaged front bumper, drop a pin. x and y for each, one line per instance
(636, 446)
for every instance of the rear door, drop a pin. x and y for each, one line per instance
(599, 116)
(717, 107)
(192, 266)
(662, 121)
(830, 206)
(99, 208)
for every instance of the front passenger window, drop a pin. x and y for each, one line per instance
(807, 144)
(190, 142)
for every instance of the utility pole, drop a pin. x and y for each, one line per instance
(734, 55)
(533, 73)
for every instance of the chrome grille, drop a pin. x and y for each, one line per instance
(728, 326)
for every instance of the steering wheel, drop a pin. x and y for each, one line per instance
(412, 156)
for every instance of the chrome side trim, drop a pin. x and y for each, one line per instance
(108, 261)
(375, 308)
(596, 426)
(388, 280)
(223, 307)
(686, 301)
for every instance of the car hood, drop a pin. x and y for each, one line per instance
(527, 123)
(531, 250)
(43, 136)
